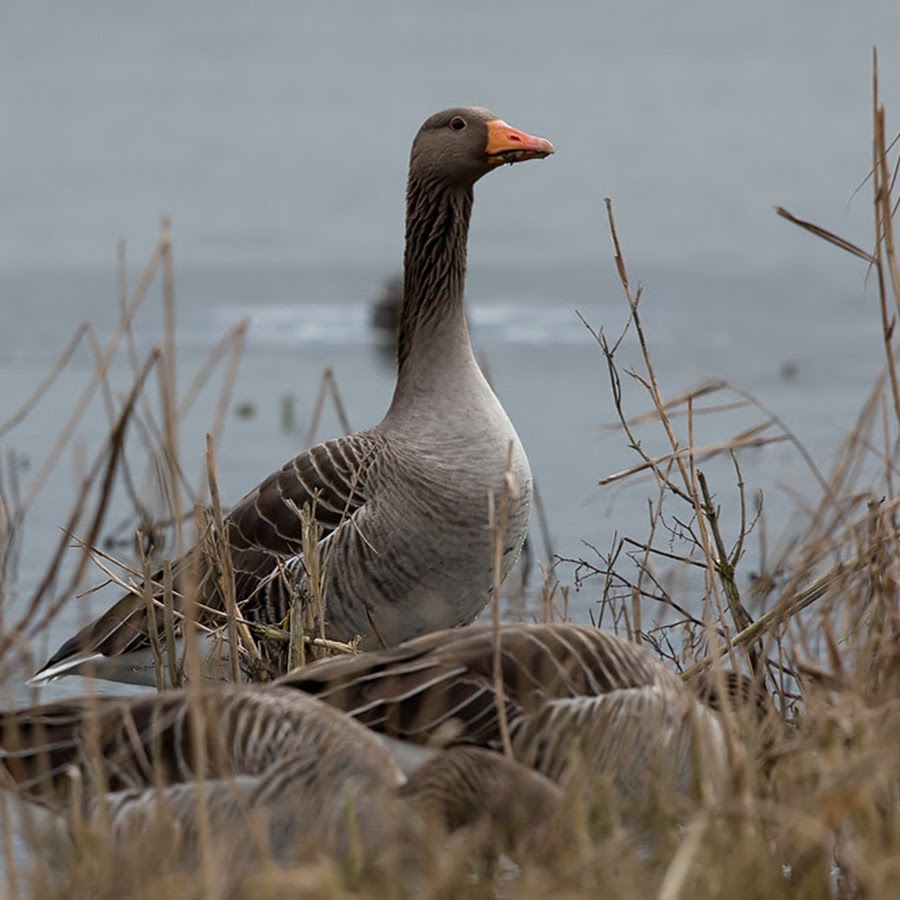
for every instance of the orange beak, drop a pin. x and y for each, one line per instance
(506, 144)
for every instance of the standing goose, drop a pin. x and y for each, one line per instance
(572, 694)
(404, 508)
(270, 773)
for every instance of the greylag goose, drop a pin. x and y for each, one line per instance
(270, 773)
(404, 508)
(572, 695)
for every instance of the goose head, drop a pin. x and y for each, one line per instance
(459, 145)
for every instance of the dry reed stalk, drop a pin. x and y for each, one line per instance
(46, 382)
(718, 563)
(8, 537)
(230, 344)
(131, 350)
(219, 557)
(193, 668)
(169, 384)
(115, 446)
(308, 609)
(137, 297)
(543, 523)
(278, 635)
(177, 667)
(152, 627)
(497, 521)
(834, 586)
(104, 468)
(327, 385)
(749, 439)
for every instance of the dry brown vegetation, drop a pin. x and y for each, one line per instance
(813, 804)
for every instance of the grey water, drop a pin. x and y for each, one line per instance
(275, 135)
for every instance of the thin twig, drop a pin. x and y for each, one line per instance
(500, 510)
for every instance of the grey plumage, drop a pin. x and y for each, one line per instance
(245, 776)
(581, 705)
(572, 695)
(181, 737)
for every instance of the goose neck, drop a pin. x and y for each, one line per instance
(432, 331)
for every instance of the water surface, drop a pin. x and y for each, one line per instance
(276, 137)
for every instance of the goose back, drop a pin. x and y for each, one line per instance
(109, 744)
(571, 694)
(246, 775)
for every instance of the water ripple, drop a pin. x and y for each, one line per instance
(284, 324)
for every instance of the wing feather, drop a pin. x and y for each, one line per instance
(263, 531)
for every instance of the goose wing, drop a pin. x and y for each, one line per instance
(412, 691)
(111, 744)
(641, 738)
(264, 532)
(571, 692)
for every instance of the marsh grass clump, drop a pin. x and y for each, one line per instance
(799, 647)
(796, 643)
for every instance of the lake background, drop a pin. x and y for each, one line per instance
(276, 136)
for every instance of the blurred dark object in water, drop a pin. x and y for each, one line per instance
(386, 307)
(246, 409)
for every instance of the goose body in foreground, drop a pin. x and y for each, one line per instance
(270, 773)
(404, 508)
(573, 695)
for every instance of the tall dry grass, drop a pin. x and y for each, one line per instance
(801, 653)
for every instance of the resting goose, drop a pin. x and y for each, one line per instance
(404, 508)
(270, 773)
(572, 695)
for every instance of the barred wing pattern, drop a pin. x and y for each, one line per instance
(269, 772)
(569, 691)
(265, 531)
(264, 534)
(111, 744)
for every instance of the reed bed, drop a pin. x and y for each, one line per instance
(797, 640)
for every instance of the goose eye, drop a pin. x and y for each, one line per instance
(457, 123)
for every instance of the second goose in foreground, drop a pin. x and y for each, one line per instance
(405, 507)
(573, 696)
(255, 775)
